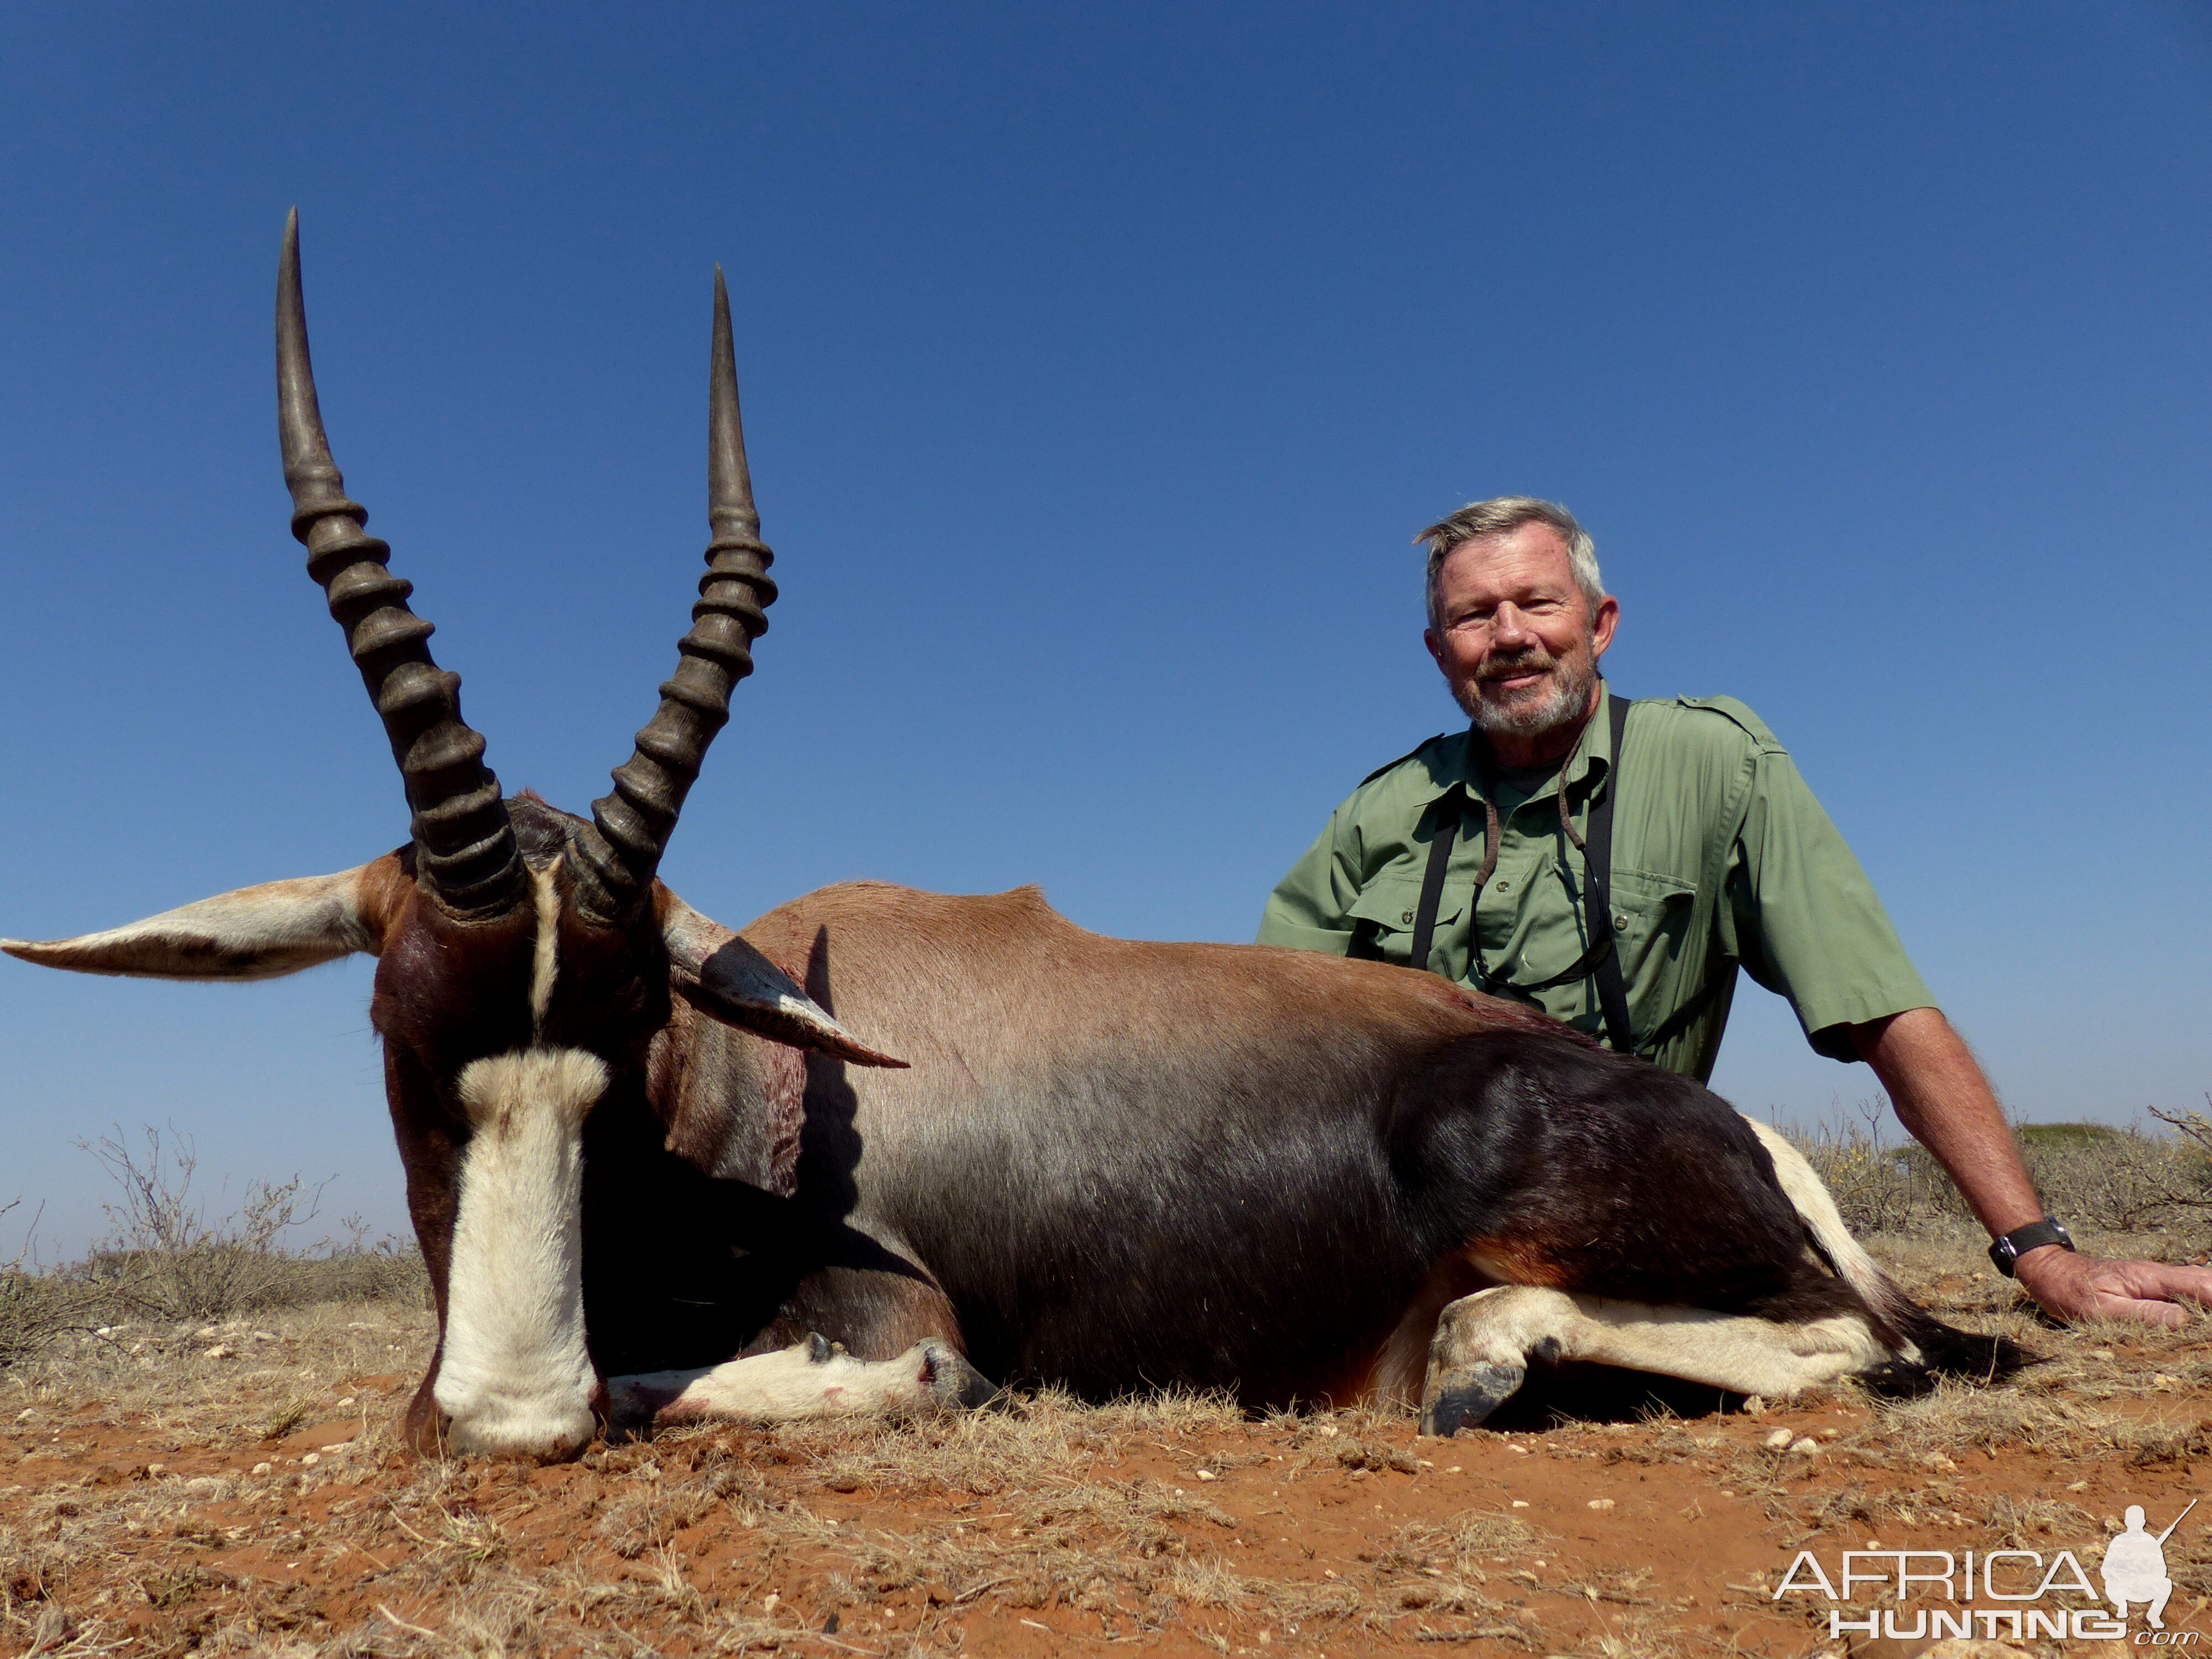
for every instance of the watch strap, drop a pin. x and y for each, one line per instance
(2020, 1241)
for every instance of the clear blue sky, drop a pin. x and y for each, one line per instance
(1098, 364)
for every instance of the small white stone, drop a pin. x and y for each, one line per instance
(1753, 1405)
(1804, 1447)
(1520, 1503)
(311, 1459)
(1601, 1504)
(349, 1400)
(1778, 1439)
(264, 1468)
(1206, 1474)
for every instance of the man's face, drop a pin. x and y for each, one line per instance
(1518, 642)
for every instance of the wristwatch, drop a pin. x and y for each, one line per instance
(2033, 1236)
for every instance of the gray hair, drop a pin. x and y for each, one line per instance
(1494, 518)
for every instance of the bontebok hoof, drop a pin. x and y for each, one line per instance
(1461, 1397)
(951, 1381)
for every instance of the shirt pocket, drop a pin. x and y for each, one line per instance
(1652, 913)
(1383, 919)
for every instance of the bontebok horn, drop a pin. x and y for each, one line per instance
(613, 862)
(466, 856)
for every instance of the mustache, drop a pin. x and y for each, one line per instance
(1527, 662)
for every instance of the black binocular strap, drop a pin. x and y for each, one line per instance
(1601, 958)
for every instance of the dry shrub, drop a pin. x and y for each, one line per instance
(2122, 1181)
(35, 1307)
(168, 1257)
(1878, 1188)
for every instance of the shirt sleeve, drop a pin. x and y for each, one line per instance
(1310, 907)
(1806, 921)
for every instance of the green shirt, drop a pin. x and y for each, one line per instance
(1721, 856)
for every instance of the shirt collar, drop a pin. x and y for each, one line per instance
(1587, 767)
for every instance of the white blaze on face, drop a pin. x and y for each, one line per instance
(515, 1377)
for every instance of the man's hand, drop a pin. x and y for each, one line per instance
(1943, 1098)
(2067, 1285)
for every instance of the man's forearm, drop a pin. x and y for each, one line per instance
(1946, 1103)
(1943, 1098)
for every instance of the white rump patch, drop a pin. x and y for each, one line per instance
(1816, 1207)
(276, 928)
(516, 1377)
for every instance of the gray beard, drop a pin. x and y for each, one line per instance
(1563, 704)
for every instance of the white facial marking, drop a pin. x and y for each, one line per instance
(516, 1377)
(545, 959)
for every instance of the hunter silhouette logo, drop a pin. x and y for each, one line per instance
(2134, 1567)
(2016, 1595)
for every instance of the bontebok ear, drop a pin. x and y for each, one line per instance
(255, 933)
(722, 976)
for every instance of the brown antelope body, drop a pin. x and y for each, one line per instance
(660, 1169)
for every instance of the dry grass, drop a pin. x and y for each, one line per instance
(705, 1536)
(235, 1486)
(1173, 1522)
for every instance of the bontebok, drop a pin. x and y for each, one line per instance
(883, 1142)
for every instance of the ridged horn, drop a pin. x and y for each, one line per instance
(466, 856)
(613, 860)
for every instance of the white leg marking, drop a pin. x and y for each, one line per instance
(1508, 1326)
(808, 1379)
(515, 1377)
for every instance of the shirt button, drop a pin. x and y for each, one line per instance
(1407, 918)
(1621, 924)
(1505, 886)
